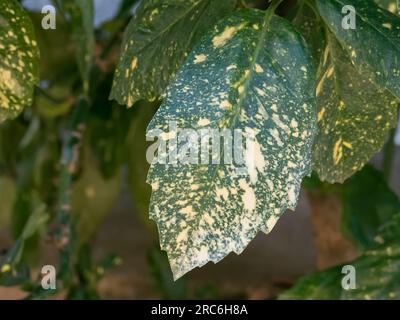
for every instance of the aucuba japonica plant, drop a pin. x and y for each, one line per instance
(311, 85)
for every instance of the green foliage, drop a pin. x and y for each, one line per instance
(377, 277)
(19, 57)
(368, 203)
(79, 15)
(215, 65)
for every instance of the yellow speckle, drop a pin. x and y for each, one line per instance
(240, 89)
(225, 105)
(258, 68)
(341, 105)
(337, 151)
(330, 72)
(224, 36)
(134, 63)
(348, 145)
(200, 58)
(387, 25)
(255, 27)
(203, 122)
(321, 114)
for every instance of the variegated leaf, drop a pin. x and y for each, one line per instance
(374, 45)
(246, 75)
(157, 40)
(354, 116)
(19, 59)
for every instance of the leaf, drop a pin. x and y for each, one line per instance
(92, 198)
(368, 203)
(245, 76)
(354, 116)
(374, 46)
(377, 273)
(19, 59)
(8, 193)
(80, 15)
(157, 40)
(311, 28)
(138, 165)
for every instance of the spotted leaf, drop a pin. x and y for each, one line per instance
(157, 40)
(354, 116)
(19, 56)
(374, 45)
(246, 76)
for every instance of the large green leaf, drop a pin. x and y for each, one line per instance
(80, 15)
(374, 46)
(368, 203)
(250, 76)
(354, 116)
(157, 40)
(377, 273)
(19, 57)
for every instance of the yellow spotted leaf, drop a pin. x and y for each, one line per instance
(354, 116)
(252, 76)
(157, 40)
(19, 59)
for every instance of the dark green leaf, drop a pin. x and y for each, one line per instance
(255, 77)
(157, 40)
(80, 15)
(368, 203)
(377, 274)
(374, 46)
(19, 58)
(354, 116)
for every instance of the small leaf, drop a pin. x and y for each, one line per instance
(157, 40)
(354, 116)
(254, 77)
(374, 46)
(19, 59)
(368, 203)
(80, 15)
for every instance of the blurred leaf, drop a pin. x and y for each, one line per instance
(8, 193)
(311, 28)
(368, 203)
(157, 40)
(19, 57)
(79, 14)
(162, 277)
(377, 277)
(92, 197)
(136, 148)
(389, 5)
(37, 219)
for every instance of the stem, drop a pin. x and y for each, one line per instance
(271, 10)
(69, 163)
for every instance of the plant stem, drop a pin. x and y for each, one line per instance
(69, 163)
